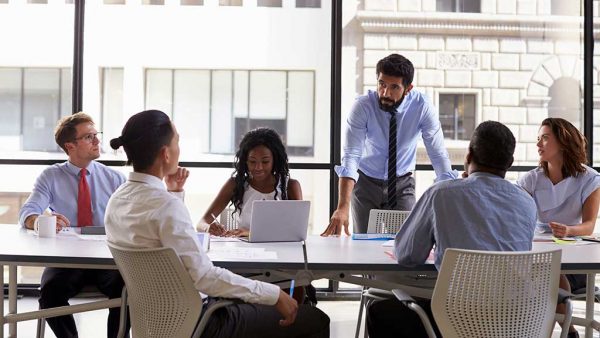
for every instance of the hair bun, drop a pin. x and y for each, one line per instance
(116, 143)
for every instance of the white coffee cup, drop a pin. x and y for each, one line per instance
(45, 226)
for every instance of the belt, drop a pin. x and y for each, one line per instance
(383, 181)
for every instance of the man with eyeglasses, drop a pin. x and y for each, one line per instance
(76, 191)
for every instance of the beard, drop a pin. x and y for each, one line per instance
(389, 105)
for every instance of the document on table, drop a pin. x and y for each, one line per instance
(101, 238)
(224, 239)
(389, 243)
(229, 253)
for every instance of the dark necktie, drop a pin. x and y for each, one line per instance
(391, 181)
(84, 201)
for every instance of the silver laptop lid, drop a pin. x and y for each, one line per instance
(279, 221)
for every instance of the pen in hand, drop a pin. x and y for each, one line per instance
(292, 288)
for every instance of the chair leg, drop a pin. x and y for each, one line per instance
(41, 327)
(123, 314)
(368, 303)
(360, 312)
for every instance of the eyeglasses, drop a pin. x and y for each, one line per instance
(91, 137)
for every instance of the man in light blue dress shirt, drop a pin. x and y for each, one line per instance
(363, 172)
(483, 211)
(57, 188)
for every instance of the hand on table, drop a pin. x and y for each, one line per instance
(216, 229)
(559, 230)
(237, 233)
(338, 220)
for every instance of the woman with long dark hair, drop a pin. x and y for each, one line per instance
(261, 173)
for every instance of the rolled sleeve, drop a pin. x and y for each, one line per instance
(39, 199)
(345, 172)
(356, 132)
(433, 138)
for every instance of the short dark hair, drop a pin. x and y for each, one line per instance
(66, 129)
(143, 136)
(398, 66)
(492, 145)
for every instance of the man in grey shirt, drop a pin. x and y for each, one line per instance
(482, 211)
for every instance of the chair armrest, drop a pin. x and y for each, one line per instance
(206, 315)
(410, 302)
(403, 296)
(563, 296)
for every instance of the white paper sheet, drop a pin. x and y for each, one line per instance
(229, 253)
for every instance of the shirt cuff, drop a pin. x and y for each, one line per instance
(345, 172)
(179, 194)
(449, 175)
(271, 295)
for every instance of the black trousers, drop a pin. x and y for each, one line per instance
(261, 321)
(60, 284)
(390, 318)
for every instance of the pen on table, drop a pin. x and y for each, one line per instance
(292, 288)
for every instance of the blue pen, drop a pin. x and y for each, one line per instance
(292, 288)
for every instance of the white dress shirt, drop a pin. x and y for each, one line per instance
(143, 214)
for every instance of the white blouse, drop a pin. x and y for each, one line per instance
(251, 195)
(562, 202)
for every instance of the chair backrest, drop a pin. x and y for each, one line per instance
(496, 294)
(229, 219)
(386, 221)
(161, 295)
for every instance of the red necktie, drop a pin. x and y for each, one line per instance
(84, 201)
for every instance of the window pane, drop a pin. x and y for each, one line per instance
(268, 95)
(10, 106)
(191, 110)
(230, 2)
(159, 86)
(41, 103)
(308, 3)
(113, 118)
(192, 2)
(221, 123)
(268, 3)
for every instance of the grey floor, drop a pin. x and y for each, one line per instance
(342, 313)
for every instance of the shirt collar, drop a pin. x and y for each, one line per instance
(484, 174)
(148, 179)
(73, 169)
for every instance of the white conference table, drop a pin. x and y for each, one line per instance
(340, 259)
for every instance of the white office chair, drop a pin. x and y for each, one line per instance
(229, 219)
(380, 222)
(163, 301)
(494, 294)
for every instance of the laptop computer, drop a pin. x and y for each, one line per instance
(278, 221)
